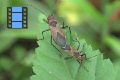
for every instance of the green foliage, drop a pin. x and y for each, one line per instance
(16, 54)
(49, 65)
(14, 66)
(98, 24)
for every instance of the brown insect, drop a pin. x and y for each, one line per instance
(60, 39)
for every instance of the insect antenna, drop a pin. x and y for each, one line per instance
(36, 8)
(52, 11)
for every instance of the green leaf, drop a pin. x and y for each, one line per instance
(48, 65)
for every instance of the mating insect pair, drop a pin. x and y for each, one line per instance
(60, 39)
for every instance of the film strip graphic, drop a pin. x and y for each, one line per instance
(17, 17)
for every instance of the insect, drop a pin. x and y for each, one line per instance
(60, 39)
(74, 53)
(56, 31)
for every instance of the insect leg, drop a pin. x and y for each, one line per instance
(64, 27)
(79, 66)
(78, 45)
(83, 48)
(82, 66)
(85, 57)
(68, 58)
(55, 47)
(43, 33)
(84, 54)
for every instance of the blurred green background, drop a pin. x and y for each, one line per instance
(96, 21)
